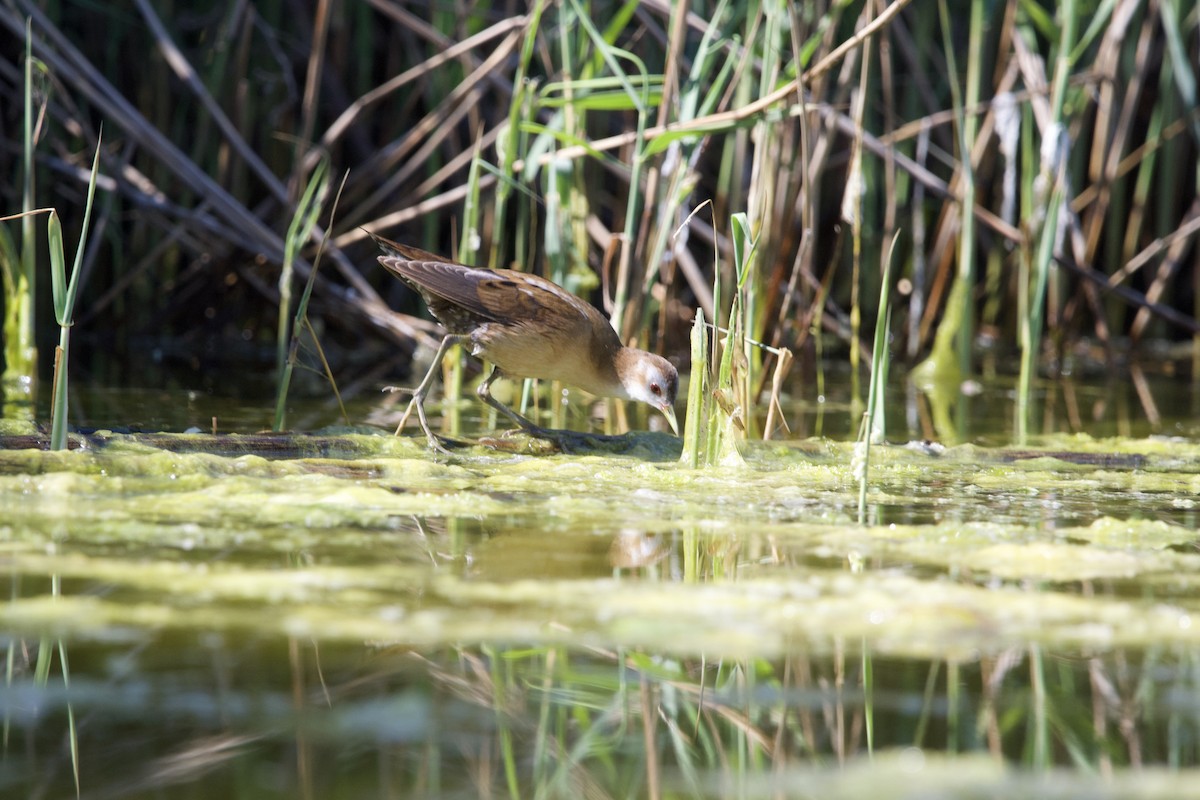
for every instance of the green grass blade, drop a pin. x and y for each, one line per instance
(303, 221)
(64, 305)
(58, 267)
(874, 428)
(76, 266)
(694, 452)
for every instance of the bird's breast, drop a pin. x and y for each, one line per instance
(521, 355)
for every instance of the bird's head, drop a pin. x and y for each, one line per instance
(652, 379)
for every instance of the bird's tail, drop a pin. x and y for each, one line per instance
(404, 251)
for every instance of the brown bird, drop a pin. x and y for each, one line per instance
(528, 327)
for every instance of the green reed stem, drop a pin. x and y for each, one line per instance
(640, 98)
(852, 210)
(731, 394)
(1053, 174)
(968, 128)
(304, 219)
(874, 428)
(508, 144)
(64, 304)
(18, 266)
(694, 425)
(25, 302)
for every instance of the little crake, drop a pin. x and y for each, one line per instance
(528, 327)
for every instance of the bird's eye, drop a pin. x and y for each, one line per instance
(655, 389)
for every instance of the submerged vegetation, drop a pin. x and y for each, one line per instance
(341, 614)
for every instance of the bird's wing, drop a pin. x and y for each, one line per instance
(536, 301)
(504, 296)
(453, 284)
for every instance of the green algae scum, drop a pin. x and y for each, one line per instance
(344, 616)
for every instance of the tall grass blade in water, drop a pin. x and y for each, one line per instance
(733, 392)
(874, 428)
(1052, 181)
(64, 305)
(694, 427)
(303, 222)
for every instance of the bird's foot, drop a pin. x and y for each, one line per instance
(417, 402)
(567, 441)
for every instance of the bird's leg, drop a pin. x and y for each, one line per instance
(567, 441)
(484, 392)
(419, 394)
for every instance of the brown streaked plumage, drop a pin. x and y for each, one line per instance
(528, 327)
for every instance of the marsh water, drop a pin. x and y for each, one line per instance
(342, 614)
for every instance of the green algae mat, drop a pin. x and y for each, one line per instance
(345, 615)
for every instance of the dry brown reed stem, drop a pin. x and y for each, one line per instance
(455, 50)
(73, 68)
(308, 103)
(918, 172)
(724, 120)
(252, 233)
(430, 133)
(633, 269)
(187, 74)
(888, 85)
(942, 254)
(1131, 161)
(1189, 227)
(1107, 148)
(1130, 296)
(881, 146)
(1176, 251)
(448, 198)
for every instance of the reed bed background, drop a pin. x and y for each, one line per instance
(1034, 162)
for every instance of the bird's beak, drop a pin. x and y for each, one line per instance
(669, 413)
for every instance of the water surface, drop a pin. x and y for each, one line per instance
(343, 615)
